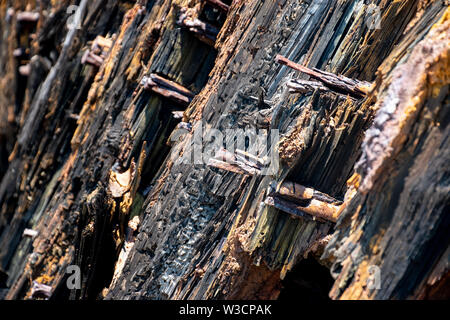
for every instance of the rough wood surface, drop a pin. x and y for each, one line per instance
(98, 153)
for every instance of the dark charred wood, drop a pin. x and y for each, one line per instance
(342, 84)
(105, 164)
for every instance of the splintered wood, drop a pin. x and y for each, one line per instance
(97, 53)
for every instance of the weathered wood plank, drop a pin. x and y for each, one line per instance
(100, 175)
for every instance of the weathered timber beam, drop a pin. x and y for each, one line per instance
(218, 4)
(317, 204)
(341, 84)
(316, 209)
(202, 30)
(168, 89)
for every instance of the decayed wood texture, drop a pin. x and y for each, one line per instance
(69, 215)
(241, 249)
(57, 86)
(402, 186)
(100, 178)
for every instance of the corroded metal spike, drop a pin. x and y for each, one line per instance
(168, 89)
(98, 52)
(30, 233)
(355, 88)
(316, 209)
(219, 5)
(19, 52)
(202, 30)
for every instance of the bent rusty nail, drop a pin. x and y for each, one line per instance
(101, 46)
(297, 191)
